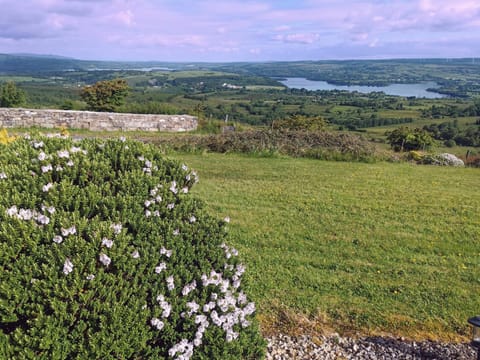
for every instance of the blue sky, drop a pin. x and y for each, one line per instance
(241, 30)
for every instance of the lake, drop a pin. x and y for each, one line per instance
(418, 90)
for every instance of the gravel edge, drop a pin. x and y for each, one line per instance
(335, 347)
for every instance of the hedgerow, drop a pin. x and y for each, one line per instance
(105, 255)
(315, 144)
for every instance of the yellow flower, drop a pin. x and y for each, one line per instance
(4, 138)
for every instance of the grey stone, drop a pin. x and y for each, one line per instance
(95, 121)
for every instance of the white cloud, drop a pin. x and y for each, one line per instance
(299, 38)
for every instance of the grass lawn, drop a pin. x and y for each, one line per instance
(371, 248)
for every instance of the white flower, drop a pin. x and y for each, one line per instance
(70, 163)
(67, 267)
(107, 242)
(201, 319)
(104, 259)
(192, 219)
(59, 168)
(242, 298)
(47, 168)
(184, 167)
(231, 335)
(184, 347)
(173, 187)
(50, 209)
(43, 220)
(141, 158)
(226, 219)
(156, 213)
(249, 309)
(63, 154)
(245, 323)
(209, 306)
(12, 211)
(165, 252)
(117, 228)
(123, 139)
(148, 164)
(57, 239)
(162, 266)
(148, 213)
(185, 190)
(192, 307)
(47, 187)
(157, 323)
(75, 149)
(135, 254)
(147, 203)
(166, 307)
(153, 192)
(38, 145)
(170, 206)
(25, 214)
(90, 277)
(176, 232)
(69, 231)
(42, 156)
(187, 289)
(170, 283)
(3, 175)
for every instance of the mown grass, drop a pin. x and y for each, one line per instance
(371, 248)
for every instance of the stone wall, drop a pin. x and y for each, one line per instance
(95, 121)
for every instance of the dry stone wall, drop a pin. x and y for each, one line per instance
(95, 120)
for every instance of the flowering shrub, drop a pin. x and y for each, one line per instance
(4, 138)
(104, 255)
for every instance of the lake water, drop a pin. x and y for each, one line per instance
(418, 90)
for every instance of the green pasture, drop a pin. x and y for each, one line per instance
(368, 248)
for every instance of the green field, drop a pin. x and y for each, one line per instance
(370, 248)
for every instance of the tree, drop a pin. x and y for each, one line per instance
(11, 96)
(105, 95)
(404, 138)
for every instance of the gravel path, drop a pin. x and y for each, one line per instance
(334, 347)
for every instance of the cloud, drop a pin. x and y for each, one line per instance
(154, 40)
(124, 17)
(238, 29)
(298, 38)
(282, 28)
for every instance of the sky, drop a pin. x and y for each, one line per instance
(241, 30)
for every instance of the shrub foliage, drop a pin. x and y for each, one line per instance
(104, 255)
(11, 95)
(105, 95)
(407, 139)
(314, 144)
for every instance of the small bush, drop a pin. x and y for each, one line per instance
(104, 255)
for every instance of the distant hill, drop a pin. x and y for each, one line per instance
(50, 56)
(33, 64)
(29, 64)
